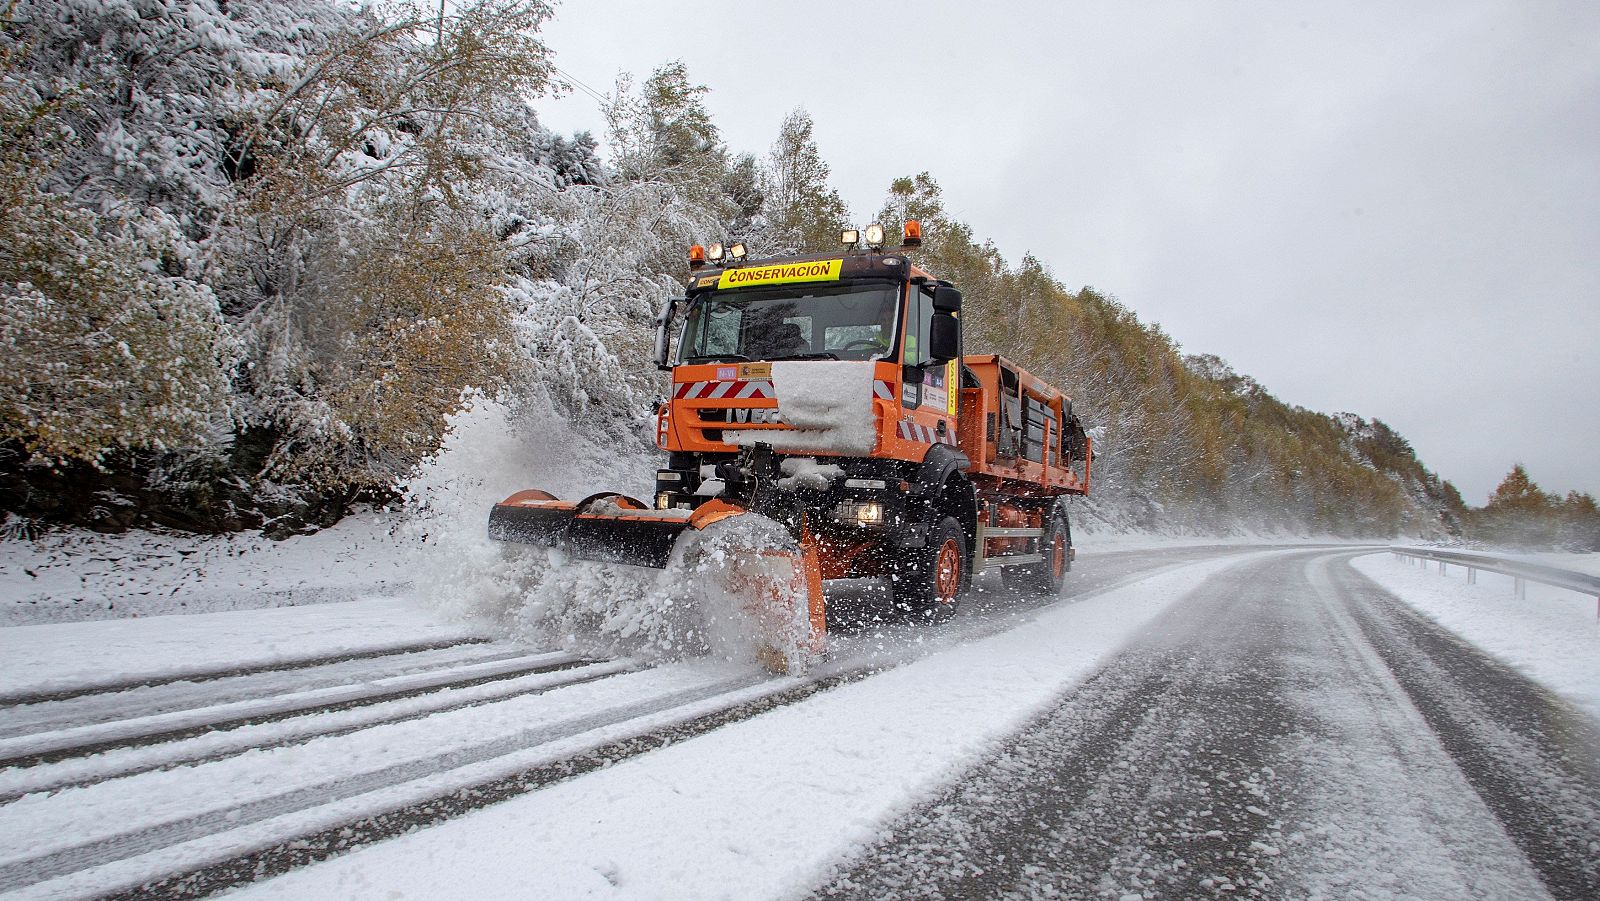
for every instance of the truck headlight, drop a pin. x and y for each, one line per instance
(866, 513)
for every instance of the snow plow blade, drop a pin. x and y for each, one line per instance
(599, 527)
(780, 588)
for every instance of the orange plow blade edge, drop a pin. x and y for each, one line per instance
(779, 587)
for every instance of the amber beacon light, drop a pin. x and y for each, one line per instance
(913, 234)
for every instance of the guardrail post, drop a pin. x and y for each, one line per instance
(1472, 576)
(1441, 567)
(1520, 586)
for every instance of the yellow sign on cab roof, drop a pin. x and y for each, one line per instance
(781, 273)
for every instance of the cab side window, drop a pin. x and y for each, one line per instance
(919, 321)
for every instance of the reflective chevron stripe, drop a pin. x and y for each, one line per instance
(882, 389)
(713, 390)
(912, 431)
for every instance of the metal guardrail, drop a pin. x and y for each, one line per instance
(1521, 571)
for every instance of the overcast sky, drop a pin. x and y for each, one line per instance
(1386, 208)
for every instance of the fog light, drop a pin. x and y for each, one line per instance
(664, 501)
(865, 513)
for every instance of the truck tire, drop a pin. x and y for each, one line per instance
(1045, 578)
(929, 584)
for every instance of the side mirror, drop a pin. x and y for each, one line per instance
(946, 300)
(664, 332)
(944, 337)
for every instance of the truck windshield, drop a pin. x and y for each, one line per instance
(838, 322)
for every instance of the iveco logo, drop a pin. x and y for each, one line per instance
(757, 416)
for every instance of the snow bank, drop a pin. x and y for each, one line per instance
(828, 404)
(74, 576)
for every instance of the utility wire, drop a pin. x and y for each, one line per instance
(598, 97)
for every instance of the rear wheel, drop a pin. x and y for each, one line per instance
(1046, 577)
(929, 584)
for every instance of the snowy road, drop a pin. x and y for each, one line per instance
(1187, 721)
(1287, 731)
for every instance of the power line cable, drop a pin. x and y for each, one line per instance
(598, 97)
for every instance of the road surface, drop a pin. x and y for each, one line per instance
(1277, 726)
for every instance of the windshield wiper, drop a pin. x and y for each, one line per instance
(820, 355)
(718, 358)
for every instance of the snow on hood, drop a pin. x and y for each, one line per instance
(827, 404)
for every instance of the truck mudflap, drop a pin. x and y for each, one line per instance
(779, 587)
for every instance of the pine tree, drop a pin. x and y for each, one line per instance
(1519, 512)
(1519, 494)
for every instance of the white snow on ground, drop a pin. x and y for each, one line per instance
(756, 808)
(75, 575)
(106, 809)
(1552, 635)
(66, 656)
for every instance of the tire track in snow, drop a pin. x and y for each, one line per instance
(206, 675)
(321, 845)
(1532, 757)
(166, 833)
(51, 747)
(1163, 772)
(218, 744)
(143, 701)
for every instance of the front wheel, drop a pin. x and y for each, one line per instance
(929, 583)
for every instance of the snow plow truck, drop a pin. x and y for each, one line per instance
(831, 395)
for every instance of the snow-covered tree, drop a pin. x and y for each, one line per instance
(804, 214)
(107, 345)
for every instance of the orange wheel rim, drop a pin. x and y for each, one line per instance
(1058, 557)
(947, 571)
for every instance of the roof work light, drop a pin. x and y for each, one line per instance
(738, 251)
(850, 237)
(715, 253)
(874, 236)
